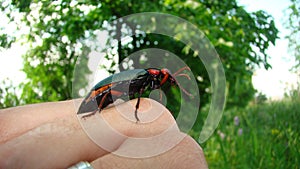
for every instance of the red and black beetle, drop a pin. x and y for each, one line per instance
(128, 84)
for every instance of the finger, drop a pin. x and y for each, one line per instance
(53, 145)
(64, 141)
(111, 127)
(154, 118)
(18, 120)
(186, 154)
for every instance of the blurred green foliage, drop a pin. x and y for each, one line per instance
(293, 25)
(8, 94)
(59, 31)
(259, 136)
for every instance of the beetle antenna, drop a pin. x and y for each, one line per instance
(181, 69)
(184, 91)
(185, 75)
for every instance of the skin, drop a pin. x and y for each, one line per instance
(49, 135)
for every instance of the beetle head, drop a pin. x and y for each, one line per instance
(160, 77)
(166, 75)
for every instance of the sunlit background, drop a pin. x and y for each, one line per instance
(273, 83)
(279, 79)
(254, 132)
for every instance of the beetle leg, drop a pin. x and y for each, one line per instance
(116, 93)
(164, 79)
(136, 107)
(99, 107)
(90, 114)
(160, 95)
(138, 104)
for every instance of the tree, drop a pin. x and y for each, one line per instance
(8, 94)
(293, 24)
(59, 31)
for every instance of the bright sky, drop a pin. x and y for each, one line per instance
(274, 82)
(271, 82)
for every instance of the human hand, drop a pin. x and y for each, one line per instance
(49, 135)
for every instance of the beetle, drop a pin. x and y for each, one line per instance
(128, 84)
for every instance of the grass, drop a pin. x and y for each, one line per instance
(259, 136)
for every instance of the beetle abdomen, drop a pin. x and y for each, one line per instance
(122, 76)
(121, 85)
